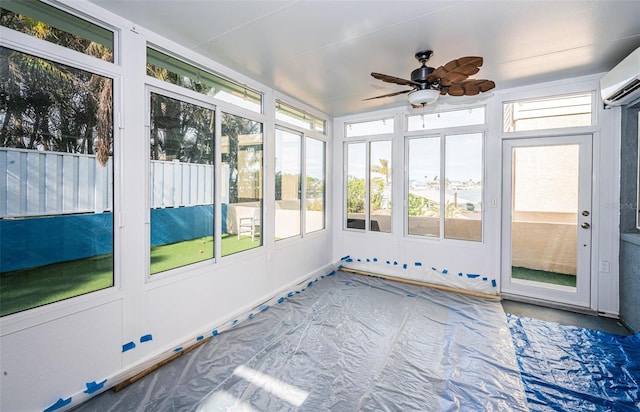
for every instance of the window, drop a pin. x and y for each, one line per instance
(288, 184)
(242, 177)
(315, 184)
(440, 120)
(371, 128)
(171, 70)
(56, 26)
(181, 156)
(368, 185)
(463, 187)
(445, 177)
(548, 113)
(299, 118)
(424, 186)
(56, 181)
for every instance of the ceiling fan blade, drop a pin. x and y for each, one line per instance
(457, 70)
(393, 79)
(470, 87)
(389, 95)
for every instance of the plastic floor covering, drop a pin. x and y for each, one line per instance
(348, 343)
(567, 368)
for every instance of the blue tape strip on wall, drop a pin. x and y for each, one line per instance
(94, 386)
(146, 338)
(128, 346)
(60, 403)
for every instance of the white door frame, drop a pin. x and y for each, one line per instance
(581, 295)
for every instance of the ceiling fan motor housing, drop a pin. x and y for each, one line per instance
(420, 74)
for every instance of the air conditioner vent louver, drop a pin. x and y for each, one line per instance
(628, 89)
(621, 85)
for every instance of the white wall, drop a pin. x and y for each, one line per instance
(52, 352)
(485, 257)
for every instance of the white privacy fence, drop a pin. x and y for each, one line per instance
(36, 183)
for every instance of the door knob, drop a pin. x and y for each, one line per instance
(585, 225)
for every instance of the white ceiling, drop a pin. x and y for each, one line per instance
(322, 52)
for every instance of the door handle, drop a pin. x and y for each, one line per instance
(585, 225)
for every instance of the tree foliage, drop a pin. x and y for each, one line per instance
(50, 106)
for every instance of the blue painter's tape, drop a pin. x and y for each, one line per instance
(298, 292)
(368, 260)
(494, 283)
(418, 264)
(309, 284)
(359, 260)
(375, 259)
(339, 267)
(199, 338)
(388, 262)
(263, 308)
(250, 315)
(460, 274)
(333, 272)
(289, 294)
(281, 300)
(59, 404)
(445, 271)
(472, 275)
(348, 260)
(235, 321)
(146, 338)
(178, 349)
(215, 332)
(344, 257)
(94, 386)
(128, 346)
(395, 263)
(485, 279)
(404, 266)
(432, 268)
(410, 295)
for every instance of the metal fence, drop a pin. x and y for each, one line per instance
(39, 183)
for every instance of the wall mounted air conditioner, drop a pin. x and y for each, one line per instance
(622, 84)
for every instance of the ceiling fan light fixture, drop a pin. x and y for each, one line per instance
(423, 97)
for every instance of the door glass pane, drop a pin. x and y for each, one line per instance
(181, 151)
(424, 186)
(380, 186)
(544, 214)
(463, 185)
(315, 158)
(241, 184)
(356, 188)
(288, 184)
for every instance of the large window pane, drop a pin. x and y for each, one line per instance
(56, 177)
(181, 149)
(56, 26)
(241, 190)
(380, 186)
(356, 185)
(288, 184)
(463, 185)
(424, 186)
(315, 200)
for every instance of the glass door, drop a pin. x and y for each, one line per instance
(546, 250)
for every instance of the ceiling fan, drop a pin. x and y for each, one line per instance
(429, 83)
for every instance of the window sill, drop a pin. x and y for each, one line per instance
(631, 238)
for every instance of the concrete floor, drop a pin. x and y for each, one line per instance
(565, 317)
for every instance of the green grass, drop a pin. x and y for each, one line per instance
(518, 272)
(29, 288)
